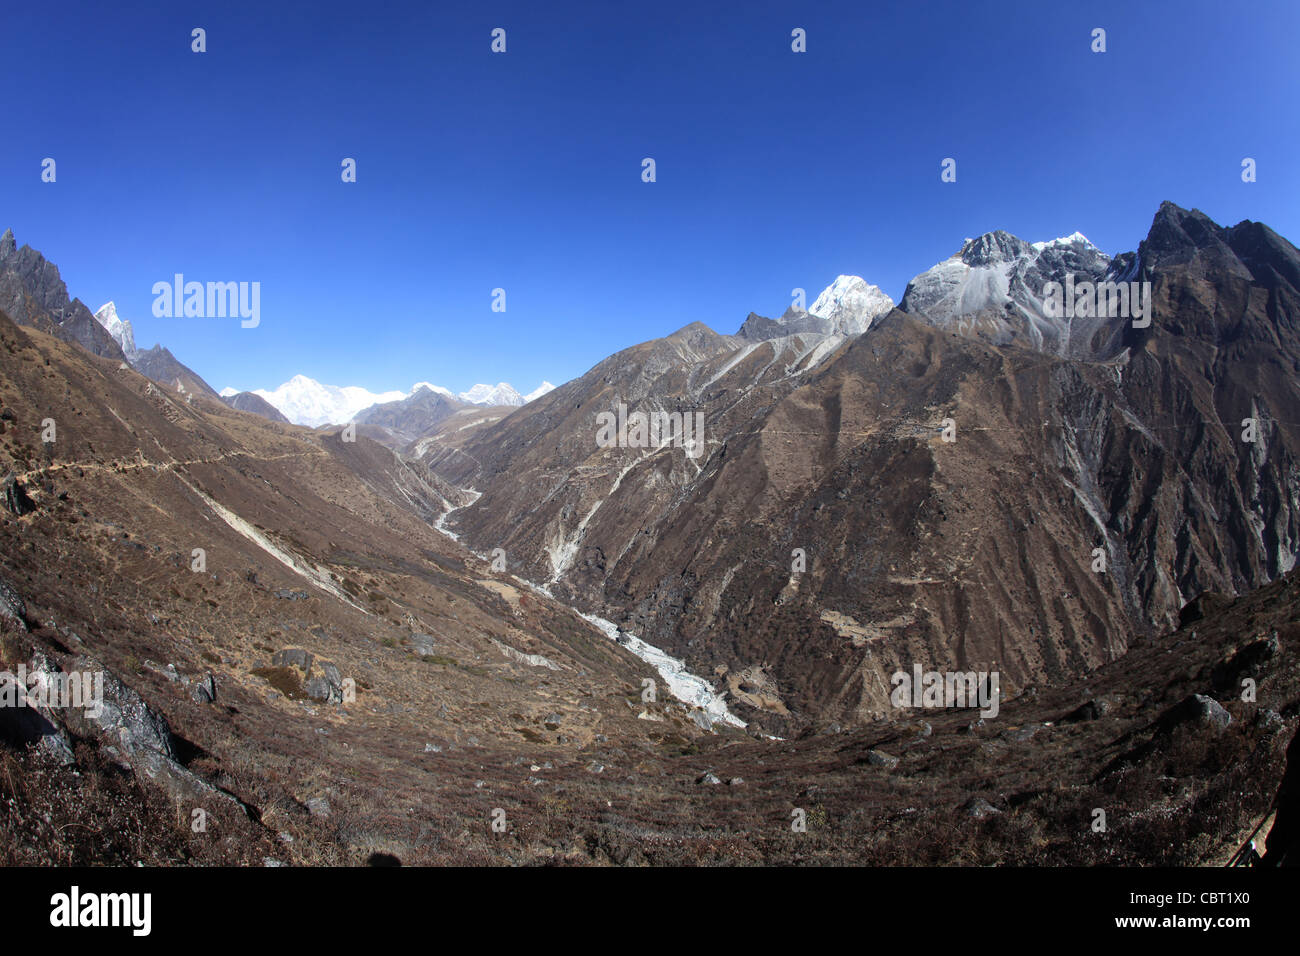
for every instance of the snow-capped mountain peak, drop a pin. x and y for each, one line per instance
(437, 389)
(119, 328)
(305, 401)
(500, 394)
(539, 391)
(1074, 238)
(995, 288)
(851, 304)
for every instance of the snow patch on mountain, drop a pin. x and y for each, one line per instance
(1074, 238)
(539, 391)
(851, 304)
(305, 401)
(994, 288)
(438, 389)
(119, 328)
(500, 394)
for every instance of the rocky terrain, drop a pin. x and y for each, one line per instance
(406, 420)
(980, 552)
(348, 651)
(252, 402)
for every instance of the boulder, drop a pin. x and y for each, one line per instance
(877, 758)
(1021, 734)
(14, 497)
(1227, 675)
(979, 808)
(1269, 721)
(124, 718)
(1195, 711)
(1088, 710)
(328, 687)
(423, 644)
(12, 606)
(204, 690)
(292, 657)
(25, 722)
(702, 719)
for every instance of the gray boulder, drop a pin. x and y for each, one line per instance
(328, 686)
(878, 758)
(12, 606)
(204, 690)
(423, 644)
(1195, 711)
(14, 497)
(25, 721)
(979, 808)
(292, 657)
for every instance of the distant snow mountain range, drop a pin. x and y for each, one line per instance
(994, 283)
(305, 401)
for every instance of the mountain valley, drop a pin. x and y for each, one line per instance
(348, 648)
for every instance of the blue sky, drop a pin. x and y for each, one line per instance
(522, 171)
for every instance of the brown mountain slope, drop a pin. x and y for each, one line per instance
(162, 367)
(308, 544)
(252, 402)
(973, 554)
(478, 700)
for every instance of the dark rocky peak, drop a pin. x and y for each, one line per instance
(161, 366)
(695, 335)
(1178, 237)
(33, 293)
(1268, 256)
(996, 246)
(759, 328)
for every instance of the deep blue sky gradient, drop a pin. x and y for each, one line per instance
(522, 170)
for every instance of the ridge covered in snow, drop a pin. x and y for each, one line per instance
(500, 394)
(119, 328)
(847, 307)
(851, 304)
(305, 401)
(539, 391)
(995, 287)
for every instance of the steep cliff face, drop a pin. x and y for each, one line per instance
(32, 293)
(1089, 491)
